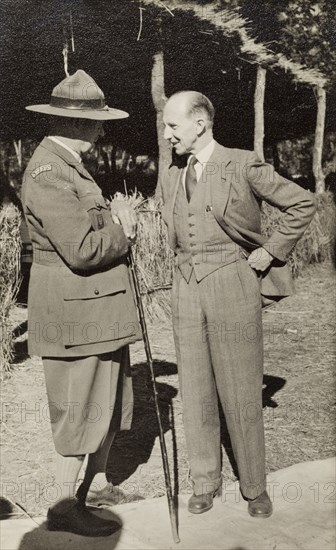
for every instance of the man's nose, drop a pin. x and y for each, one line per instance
(101, 131)
(167, 132)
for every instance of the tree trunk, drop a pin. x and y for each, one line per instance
(18, 152)
(318, 144)
(159, 100)
(259, 96)
(276, 158)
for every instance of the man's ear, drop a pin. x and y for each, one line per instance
(80, 123)
(200, 126)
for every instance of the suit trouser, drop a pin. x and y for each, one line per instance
(218, 338)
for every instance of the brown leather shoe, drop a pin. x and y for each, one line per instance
(68, 516)
(260, 507)
(198, 504)
(108, 495)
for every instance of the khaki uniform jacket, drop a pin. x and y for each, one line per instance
(80, 300)
(239, 182)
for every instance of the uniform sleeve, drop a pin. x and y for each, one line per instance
(297, 204)
(67, 225)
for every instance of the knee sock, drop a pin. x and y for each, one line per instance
(96, 468)
(67, 470)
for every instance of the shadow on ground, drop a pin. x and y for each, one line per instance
(6, 509)
(41, 538)
(134, 447)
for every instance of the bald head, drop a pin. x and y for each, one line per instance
(194, 104)
(188, 117)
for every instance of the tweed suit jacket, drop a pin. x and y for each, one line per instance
(80, 301)
(239, 182)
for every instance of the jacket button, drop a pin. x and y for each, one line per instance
(96, 291)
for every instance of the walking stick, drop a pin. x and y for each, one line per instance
(172, 510)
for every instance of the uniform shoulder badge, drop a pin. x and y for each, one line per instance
(40, 169)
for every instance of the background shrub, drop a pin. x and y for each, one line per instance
(155, 260)
(318, 242)
(153, 257)
(10, 246)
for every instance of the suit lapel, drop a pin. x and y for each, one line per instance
(220, 174)
(175, 175)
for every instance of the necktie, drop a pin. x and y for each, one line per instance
(191, 179)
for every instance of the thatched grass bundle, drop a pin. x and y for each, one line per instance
(155, 260)
(10, 246)
(318, 242)
(153, 257)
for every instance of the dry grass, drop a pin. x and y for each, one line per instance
(299, 405)
(155, 260)
(318, 242)
(229, 22)
(9, 278)
(153, 257)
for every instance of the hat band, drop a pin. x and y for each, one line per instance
(80, 104)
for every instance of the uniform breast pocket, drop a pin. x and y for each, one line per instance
(97, 210)
(91, 306)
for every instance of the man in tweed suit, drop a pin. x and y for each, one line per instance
(224, 269)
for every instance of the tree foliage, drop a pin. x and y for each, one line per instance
(197, 55)
(303, 30)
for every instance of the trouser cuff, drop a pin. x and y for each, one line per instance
(210, 486)
(252, 491)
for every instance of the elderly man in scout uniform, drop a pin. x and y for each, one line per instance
(225, 268)
(81, 310)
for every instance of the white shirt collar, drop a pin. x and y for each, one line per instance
(72, 151)
(204, 154)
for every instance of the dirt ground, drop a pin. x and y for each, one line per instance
(299, 404)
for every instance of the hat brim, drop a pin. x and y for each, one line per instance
(104, 114)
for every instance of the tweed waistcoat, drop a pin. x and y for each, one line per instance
(202, 244)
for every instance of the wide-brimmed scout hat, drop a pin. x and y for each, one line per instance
(78, 96)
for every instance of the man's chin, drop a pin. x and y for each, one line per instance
(178, 150)
(87, 147)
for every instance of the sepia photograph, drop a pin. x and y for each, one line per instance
(167, 274)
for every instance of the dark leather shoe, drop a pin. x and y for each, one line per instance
(260, 507)
(109, 496)
(198, 504)
(68, 516)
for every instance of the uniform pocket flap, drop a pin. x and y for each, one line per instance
(77, 287)
(93, 201)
